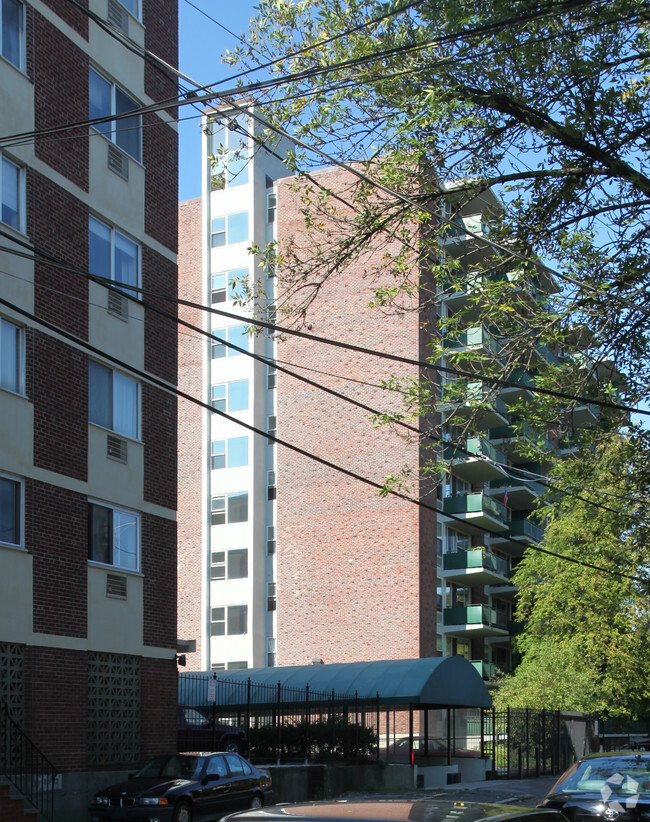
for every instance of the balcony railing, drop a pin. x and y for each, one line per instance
(526, 528)
(476, 558)
(475, 337)
(475, 615)
(476, 504)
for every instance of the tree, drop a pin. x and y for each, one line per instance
(585, 641)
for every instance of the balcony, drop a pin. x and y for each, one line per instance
(474, 620)
(521, 532)
(478, 403)
(475, 338)
(523, 390)
(508, 437)
(486, 670)
(482, 463)
(478, 566)
(476, 510)
(522, 494)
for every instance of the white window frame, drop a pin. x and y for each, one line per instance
(217, 343)
(20, 359)
(137, 15)
(138, 400)
(226, 510)
(226, 399)
(232, 279)
(21, 511)
(113, 233)
(108, 128)
(21, 193)
(227, 231)
(226, 453)
(20, 65)
(271, 596)
(120, 510)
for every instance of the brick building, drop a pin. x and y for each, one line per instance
(87, 447)
(331, 570)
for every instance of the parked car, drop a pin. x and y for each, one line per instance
(197, 732)
(398, 751)
(604, 786)
(185, 788)
(396, 810)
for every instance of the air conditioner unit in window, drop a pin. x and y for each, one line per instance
(116, 448)
(118, 162)
(118, 304)
(117, 16)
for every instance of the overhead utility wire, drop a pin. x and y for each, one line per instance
(328, 340)
(171, 389)
(457, 447)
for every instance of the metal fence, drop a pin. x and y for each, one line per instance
(284, 723)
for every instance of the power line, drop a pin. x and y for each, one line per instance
(171, 389)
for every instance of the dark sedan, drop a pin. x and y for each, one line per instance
(185, 788)
(395, 810)
(612, 787)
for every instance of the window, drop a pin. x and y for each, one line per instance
(271, 426)
(229, 285)
(271, 485)
(106, 99)
(113, 536)
(237, 620)
(218, 666)
(271, 645)
(235, 335)
(12, 357)
(270, 539)
(229, 508)
(229, 151)
(131, 6)
(234, 616)
(230, 396)
(11, 494)
(113, 255)
(232, 452)
(113, 400)
(234, 562)
(271, 599)
(233, 228)
(271, 206)
(239, 666)
(12, 191)
(271, 377)
(12, 32)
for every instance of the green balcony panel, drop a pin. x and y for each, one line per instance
(477, 509)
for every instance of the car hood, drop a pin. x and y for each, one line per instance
(615, 807)
(151, 786)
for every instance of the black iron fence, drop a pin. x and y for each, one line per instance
(283, 723)
(525, 742)
(23, 764)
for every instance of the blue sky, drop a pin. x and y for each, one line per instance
(202, 43)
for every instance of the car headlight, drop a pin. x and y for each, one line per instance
(153, 800)
(100, 800)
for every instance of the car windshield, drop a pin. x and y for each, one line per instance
(194, 717)
(170, 767)
(627, 775)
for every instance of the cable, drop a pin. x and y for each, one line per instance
(171, 389)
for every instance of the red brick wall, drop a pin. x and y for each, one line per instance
(160, 19)
(159, 700)
(58, 386)
(356, 573)
(71, 14)
(160, 276)
(57, 535)
(159, 437)
(159, 570)
(57, 224)
(60, 75)
(190, 380)
(160, 157)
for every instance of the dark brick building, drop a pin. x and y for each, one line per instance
(87, 447)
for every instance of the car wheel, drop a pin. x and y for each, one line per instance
(232, 746)
(256, 801)
(182, 812)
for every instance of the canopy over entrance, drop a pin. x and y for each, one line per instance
(430, 682)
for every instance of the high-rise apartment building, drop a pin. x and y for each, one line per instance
(87, 444)
(297, 560)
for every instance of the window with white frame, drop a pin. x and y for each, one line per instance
(113, 255)
(12, 29)
(218, 666)
(235, 335)
(232, 564)
(11, 510)
(230, 396)
(271, 376)
(237, 665)
(271, 206)
(113, 400)
(12, 357)
(107, 99)
(230, 229)
(227, 509)
(270, 540)
(271, 485)
(132, 6)
(230, 453)
(231, 620)
(229, 151)
(114, 536)
(229, 285)
(271, 596)
(271, 648)
(272, 427)
(12, 194)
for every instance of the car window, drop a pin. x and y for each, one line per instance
(216, 766)
(247, 768)
(175, 767)
(194, 717)
(235, 765)
(617, 775)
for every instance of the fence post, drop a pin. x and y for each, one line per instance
(378, 721)
(248, 707)
(495, 739)
(527, 744)
(508, 742)
(356, 727)
(544, 741)
(279, 708)
(306, 723)
(214, 711)
(333, 718)
(482, 733)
